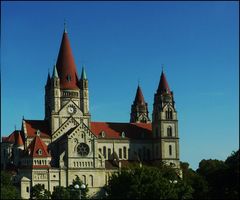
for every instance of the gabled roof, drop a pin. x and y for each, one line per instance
(163, 86)
(66, 67)
(36, 145)
(114, 130)
(15, 138)
(33, 125)
(139, 99)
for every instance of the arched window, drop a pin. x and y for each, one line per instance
(169, 113)
(125, 152)
(91, 180)
(120, 153)
(84, 179)
(109, 153)
(170, 150)
(169, 131)
(104, 152)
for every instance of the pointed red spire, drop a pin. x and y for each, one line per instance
(18, 139)
(139, 99)
(163, 86)
(66, 66)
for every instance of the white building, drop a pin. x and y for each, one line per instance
(67, 143)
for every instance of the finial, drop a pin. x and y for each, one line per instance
(65, 26)
(138, 82)
(83, 76)
(23, 117)
(15, 127)
(162, 67)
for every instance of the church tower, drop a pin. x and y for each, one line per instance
(139, 111)
(165, 125)
(66, 96)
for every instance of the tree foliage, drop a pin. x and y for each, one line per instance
(147, 183)
(8, 190)
(75, 193)
(38, 192)
(60, 192)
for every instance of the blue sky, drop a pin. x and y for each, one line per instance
(121, 43)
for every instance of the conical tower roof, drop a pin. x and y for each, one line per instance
(163, 86)
(139, 99)
(66, 67)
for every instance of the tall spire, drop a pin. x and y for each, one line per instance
(48, 79)
(66, 67)
(55, 73)
(83, 76)
(139, 99)
(163, 86)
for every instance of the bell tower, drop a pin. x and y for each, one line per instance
(139, 110)
(165, 125)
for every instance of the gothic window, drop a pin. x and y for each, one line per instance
(91, 180)
(104, 152)
(109, 153)
(169, 113)
(84, 179)
(125, 152)
(170, 150)
(120, 153)
(169, 131)
(100, 150)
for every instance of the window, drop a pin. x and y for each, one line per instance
(84, 179)
(169, 131)
(109, 153)
(103, 134)
(91, 180)
(120, 153)
(170, 150)
(104, 152)
(39, 151)
(125, 152)
(169, 113)
(100, 150)
(123, 135)
(27, 189)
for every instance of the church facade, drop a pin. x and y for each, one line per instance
(68, 143)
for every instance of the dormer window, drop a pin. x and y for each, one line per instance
(123, 134)
(40, 152)
(103, 134)
(38, 132)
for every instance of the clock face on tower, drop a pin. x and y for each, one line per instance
(71, 109)
(83, 149)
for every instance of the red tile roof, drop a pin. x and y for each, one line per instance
(66, 66)
(35, 146)
(33, 125)
(15, 138)
(114, 130)
(18, 139)
(163, 85)
(139, 99)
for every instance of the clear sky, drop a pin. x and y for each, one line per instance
(121, 42)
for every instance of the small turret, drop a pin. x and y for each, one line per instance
(83, 84)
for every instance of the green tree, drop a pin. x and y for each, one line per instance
(75, 193)
(196, 181)
(60, 192)
(147, 183)
(38, 192)
(8, 190)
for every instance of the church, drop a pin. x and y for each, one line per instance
(67, 142)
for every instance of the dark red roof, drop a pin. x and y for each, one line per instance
(163, 86)
(66, 66)
(34, 147)
(33, 125)
(18, 139)
(114, 130)
(15, 138)
(139, 99)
